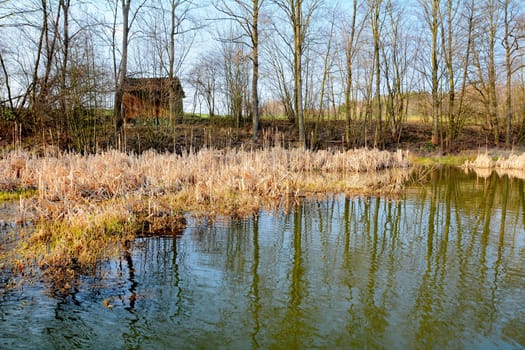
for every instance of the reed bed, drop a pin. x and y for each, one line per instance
(84, 203)
(484, 161)
(73, 179)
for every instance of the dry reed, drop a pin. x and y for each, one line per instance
(484, 161)
(71, 179)
(84, 200)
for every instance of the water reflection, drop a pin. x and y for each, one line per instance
(443, 267)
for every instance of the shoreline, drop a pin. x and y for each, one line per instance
(86, 208)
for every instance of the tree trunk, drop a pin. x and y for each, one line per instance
(377, 71)
(255, 70)
(349, 72)
(493, 99)
(435, 81)
(508, 71)
(64, 4)
(118, 108)
(298, 76)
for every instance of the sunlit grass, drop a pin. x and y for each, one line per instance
(449, 160)
(7, 195)
(417, 118)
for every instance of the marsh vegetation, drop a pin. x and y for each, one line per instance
(86, 207)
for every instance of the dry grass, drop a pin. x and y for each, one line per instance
(85, 204)
(68, 182)
(512, 162)
(484, 161)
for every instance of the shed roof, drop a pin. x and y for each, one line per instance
(140, 85)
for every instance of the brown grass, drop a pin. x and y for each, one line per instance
(88, 206)
(70, 181)
(484, 161)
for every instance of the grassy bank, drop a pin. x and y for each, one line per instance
(86, 207)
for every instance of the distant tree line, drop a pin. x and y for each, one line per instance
(371, 63)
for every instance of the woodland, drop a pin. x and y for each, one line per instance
(427, 75)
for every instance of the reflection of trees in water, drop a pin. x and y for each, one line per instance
(374, 308)
(152, 287)
(471, 219)
(429, 307)
(429, 270)
(293, 323)
(458, 231)
(255, 306)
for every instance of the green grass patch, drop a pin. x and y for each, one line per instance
(442, 160)
(17, 194)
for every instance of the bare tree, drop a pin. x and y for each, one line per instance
(432, 14)
(320, 59)
(204, 79)
(47, 46)
(327, 65)
(486, 26)
(235, 75)
(299, 14)
(177, 21)
(511, 44)
(175, 39)
(456, 25)
(246, 14)
(9, 101)
(351, 34)
(375, 7)
(461, 114)
(65, 6)
(278, 66)
(397, 54)
(121, 74)
(4, 14)
(492, 10)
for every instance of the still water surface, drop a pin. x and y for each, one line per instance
(441, 268)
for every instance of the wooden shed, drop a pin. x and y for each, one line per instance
(152, 98)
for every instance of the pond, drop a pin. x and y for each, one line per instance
(441, 267)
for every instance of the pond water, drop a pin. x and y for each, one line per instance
(441, 267)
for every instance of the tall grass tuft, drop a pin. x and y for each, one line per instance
(484, 161)
(513, 162)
